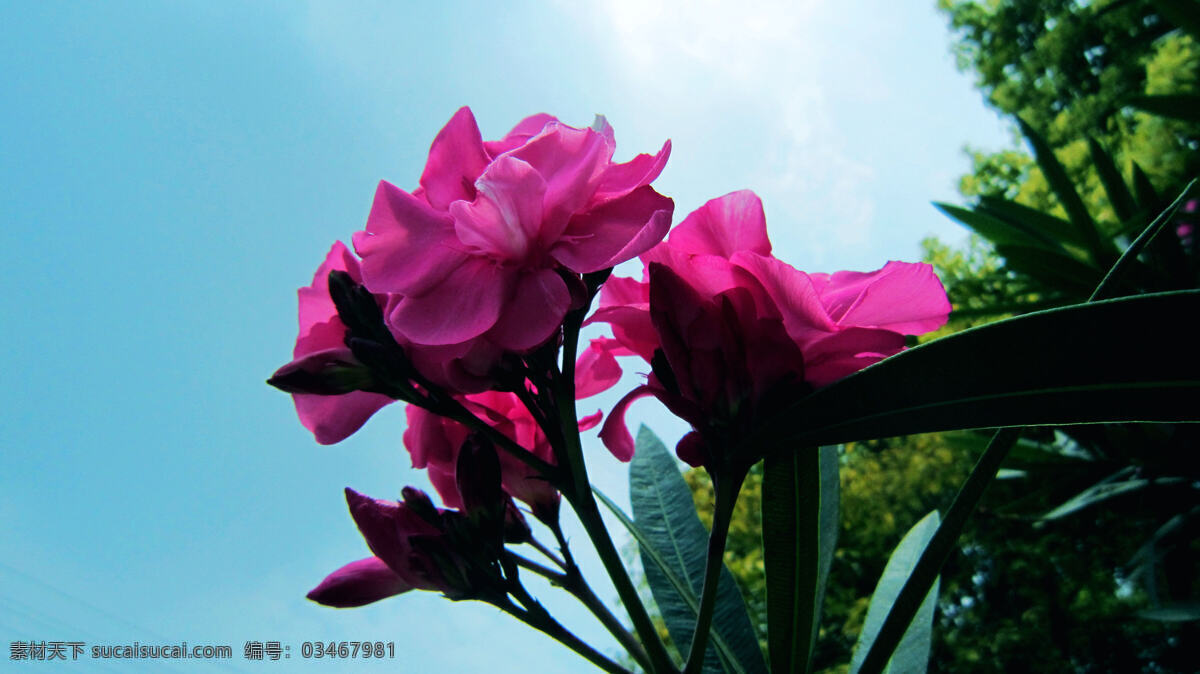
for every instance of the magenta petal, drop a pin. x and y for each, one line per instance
(570, 160)
(358, 584)
(335, 418)
(621, 179)
(596, 370)
(534, 311)
(845, 352)
(617, 231)
(615, 435)
(407, 247)
(465, 305)
(724, 226)
(504, 221)
(904, 297)
(692, 449)
(792, 292)
(590, 421)
(523, 131)
(315, 304)
(386, 526)
(456, 159)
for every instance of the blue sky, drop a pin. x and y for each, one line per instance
(171, 172)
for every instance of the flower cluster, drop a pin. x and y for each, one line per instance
(460, 294)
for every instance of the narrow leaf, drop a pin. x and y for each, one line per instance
(1128, 359)
(912, 654)
(800, 501)
(675, 539)
(1114, 185)
(1147, 197)
(1182, 13)
(1185, 107)
(1071, 202)
(999, 231)
(1051, 226)
(1184, 611)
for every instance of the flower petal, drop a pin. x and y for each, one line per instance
(335, 418)
(504, 220)
(358, 584)
(522, 132)
(724, 226)
(315, 304)
(456, 159)
(904, 297)
(465, 305)
(615, 231)
(533, 312)
(570, 160)
(407, 247)
(597, 370)
(615, 434)
(621, 179)
(386, 526)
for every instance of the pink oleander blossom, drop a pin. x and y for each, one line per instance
(359, 583)
(434, 442)
(331, 418)
(484, 257)
(733, 323)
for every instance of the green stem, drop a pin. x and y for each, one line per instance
(726, 496)
(912, 595)
(536, 617)
(579, 494)
(574, 583)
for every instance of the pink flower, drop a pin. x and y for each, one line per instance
(415, 549)
(485, 256)
(734, 325)
(321, 347)
(435, 442)
(359, 583)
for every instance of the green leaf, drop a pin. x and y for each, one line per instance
(674, 542)
(1184, 611)
(1104, 490)
(1123, 360)
(800, 500)
(1071, 202)
(1059, 272)
(1114, 185)
(999, 231)
(1182, 13)
(1051, 226)
(1184, 107)
(1147, 197)
(912, 654)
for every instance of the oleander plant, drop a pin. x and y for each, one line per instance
(465, 297)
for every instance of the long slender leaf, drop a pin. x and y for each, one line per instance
(1051, 226)
(1064, 189)
(1183, 611)
(675, 539)
(1184, 107)
(800, 502)
(1118, 193)
(1182, 13)
(912, 654)
(999, 231)
(1128, 359)
(1147, 197)
(1055, 271)
(1104, 491)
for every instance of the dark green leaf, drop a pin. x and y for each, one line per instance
(912, 654)
(674, 540)
(1054, 271)
(1051, 226)
(1000, 232)
(1147, 197)
(1182, 13)
(1184, 107)
(1114, 185)
(800, 496)
(1064, 189)
(1129, 359)
(1184, 611)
